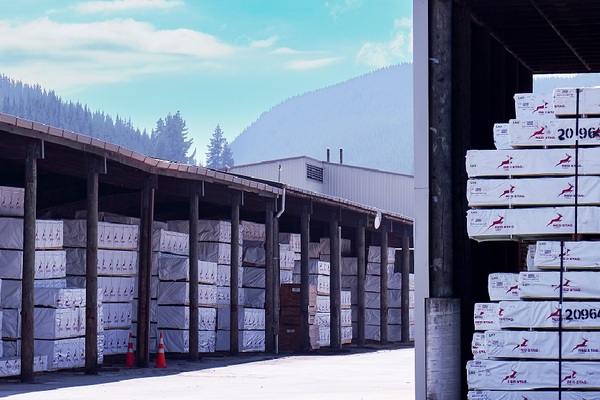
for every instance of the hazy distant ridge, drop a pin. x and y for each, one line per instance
(369, 117)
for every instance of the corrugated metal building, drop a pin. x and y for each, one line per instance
(381, 189)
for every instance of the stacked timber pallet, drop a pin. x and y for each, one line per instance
(116, 269)
(173, 311)
(319, 277)
(289, 252)
(540, 332)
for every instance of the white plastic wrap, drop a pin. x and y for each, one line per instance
(346, 299)
(48, 234)
(178, 317)
(531, 395)
(110, 262)
(543, 344)
(374, 268)
(66, 353)
(314, 267)
(345, 317)
(394, 279)
(372, 300)
(253, 297)
(545, 314)
(478, 346)
(177, 293)
(250, 319)
(11, 201)
(177, 341)
(248, 341)
(526, 375)
(534, 105)
(224, 296)
(374, 254)
(11, 323)
(10, 293)
(547, 285)
(523, 162)
(349, 282)
(575, 255)
(533, 191)
(286, 259)
(345, 246)
(176, 267)
(503, 286)
(59, 298)
(324, 336)
(349, 265)
(314, 250)
(323, 319)
(219, 253)
(254, 256)
(253, 277)
(346, 332)
(565, 101)
(323, 303)
(373, 283)
(117, 315)
(110, 235)
(557, 132)
(293, 239)
(501, 136)
(497, 224)
(11, 366)
(224, 275)
(252, 231)
(530, 260)
(208, 230)
(165, 241)
(49, 264)
(485, 316)
(58, 323)
(116, 341)
(372, 332)
(117, 288)
(286, 276)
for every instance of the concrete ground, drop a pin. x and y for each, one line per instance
(384, 373)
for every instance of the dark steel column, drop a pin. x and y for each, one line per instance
(145, 271)
(91, 271)
(234, 347)
(193, 256)
(27, 300)
(335, 284)
(304, 276)
(269, 280)
(276, 283)
(404, 294)
(383, 293)
(361, 265)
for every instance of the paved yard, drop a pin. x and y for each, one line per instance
(356, 374)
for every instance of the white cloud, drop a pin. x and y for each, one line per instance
(398, 49)
(339, 7)
(63, 56)
(264, 43)
(90, 7)
(312, 64)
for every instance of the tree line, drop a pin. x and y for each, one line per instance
(168, 140)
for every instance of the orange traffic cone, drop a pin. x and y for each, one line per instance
(129, 361)
(160, 357)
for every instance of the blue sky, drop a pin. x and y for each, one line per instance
(217, 61)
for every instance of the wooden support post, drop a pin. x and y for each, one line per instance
(144, 273)
(304, 277)
(269, 280)
(276, 283)
(383, 293)
(193, 257)
(91, 267)
(234, 346)
(361, 265)
(335, 284)
(405, 289)
(27, 299)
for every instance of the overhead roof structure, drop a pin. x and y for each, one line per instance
(546, 36)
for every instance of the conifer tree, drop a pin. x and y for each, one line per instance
(219, 153)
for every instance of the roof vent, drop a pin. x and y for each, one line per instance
(315, 173)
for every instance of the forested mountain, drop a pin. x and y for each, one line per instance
(369, 117)
(168, 141)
